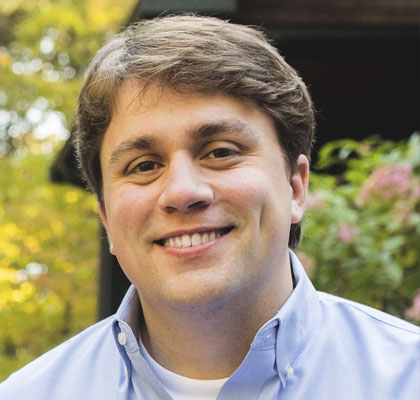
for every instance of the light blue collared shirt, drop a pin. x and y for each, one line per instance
(317, 347)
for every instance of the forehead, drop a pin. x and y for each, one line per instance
(133, 100)
(161, 114)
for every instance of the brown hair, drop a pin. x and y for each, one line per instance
(194, 54)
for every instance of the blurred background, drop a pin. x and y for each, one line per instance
(362, 232)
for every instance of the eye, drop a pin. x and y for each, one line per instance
(222, 152)
(145, 166)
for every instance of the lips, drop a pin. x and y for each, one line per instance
(193, 239)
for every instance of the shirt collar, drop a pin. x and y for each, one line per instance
(130, 310)
(298, 320)
(290, 330)
(126, 323)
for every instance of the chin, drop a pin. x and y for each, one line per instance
(200, 297)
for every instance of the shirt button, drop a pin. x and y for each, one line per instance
(122, 339)
(290, 371)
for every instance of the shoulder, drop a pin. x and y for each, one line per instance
(354, 312)
(79, 357)
(378, 335)
(370, 346)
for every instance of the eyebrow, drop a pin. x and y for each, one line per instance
(196, 133)
(232, 125)
(146, 142)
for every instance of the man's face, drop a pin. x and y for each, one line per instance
(198, 197)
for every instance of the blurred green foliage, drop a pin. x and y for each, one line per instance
(48, 233)
(362, 229)
(48, 253)
(45, 46)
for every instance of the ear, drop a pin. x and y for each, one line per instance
(299, 184)
(104, 219)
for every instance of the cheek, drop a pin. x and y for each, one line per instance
(129, 209)
(267, 196)
(254, 197)
(256, 184)
(244, 188)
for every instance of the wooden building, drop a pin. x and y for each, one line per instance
(359, 57)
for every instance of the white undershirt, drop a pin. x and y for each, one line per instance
(180, 387)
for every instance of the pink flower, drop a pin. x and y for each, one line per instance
(414, 311)
(347, 233)
(388, 182)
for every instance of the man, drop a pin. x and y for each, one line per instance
(195, 136)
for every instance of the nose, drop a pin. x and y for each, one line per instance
(185, 190)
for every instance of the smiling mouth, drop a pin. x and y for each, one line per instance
(194, 239)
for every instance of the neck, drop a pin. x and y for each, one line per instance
(210, 342)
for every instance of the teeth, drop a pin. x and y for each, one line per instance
(192, 240)
(178, 241)
(196, 239)
(186, 241)
(205, 237)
